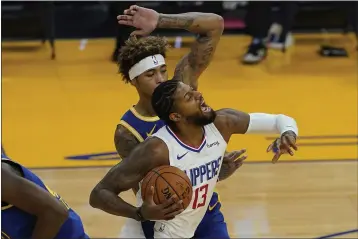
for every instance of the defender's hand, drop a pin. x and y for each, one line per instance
(231, 162)
(165, 211)
(283, 145)
(144, 19)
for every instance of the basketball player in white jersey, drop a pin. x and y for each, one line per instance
(194, 139)
(142, 65)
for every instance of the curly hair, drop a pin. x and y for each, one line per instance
(136, 49)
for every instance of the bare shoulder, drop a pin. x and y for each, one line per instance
(229, 112)
(226, 115)
(230, 121)
(153, 149)
(149, 154)
(124, 141)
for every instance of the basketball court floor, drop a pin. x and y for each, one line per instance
(59, 118)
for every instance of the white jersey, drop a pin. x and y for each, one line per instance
(202, 165)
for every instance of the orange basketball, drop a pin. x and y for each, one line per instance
(167, 181)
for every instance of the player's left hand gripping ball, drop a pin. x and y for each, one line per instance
(283, 145)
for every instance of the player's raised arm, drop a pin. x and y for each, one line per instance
(207, 26)
(50, 212)
(230, 121)
(150, 154)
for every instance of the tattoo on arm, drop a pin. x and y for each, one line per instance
(209, 28)
(175, 21)
(230, 121)
(124, 141)
(191, 66)
(201, 53)
(126, 175)
(151, 153)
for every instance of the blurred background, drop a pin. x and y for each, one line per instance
(62, 99)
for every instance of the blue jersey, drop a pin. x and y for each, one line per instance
(16, 223)
(142, 127)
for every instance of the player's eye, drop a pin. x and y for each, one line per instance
(149, 73)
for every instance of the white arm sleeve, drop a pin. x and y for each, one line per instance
(261, 123)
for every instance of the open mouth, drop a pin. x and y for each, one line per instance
(203, 107)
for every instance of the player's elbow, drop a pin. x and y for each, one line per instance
(62, 214)
(57, 214)
(94, 199)
(220, 22)
(217, 23)
(210, 23)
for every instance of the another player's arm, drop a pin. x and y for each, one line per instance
(150, 154)
(124, 141)
(209, 28)
(29, 197)
(231, 162)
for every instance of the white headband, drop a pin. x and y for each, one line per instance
(146, 64)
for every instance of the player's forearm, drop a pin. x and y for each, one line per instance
(195, 22)
(225, 173)
(226, 169)
(111, 203)
(261, 123)
(48, 225)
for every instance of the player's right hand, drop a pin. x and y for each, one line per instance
(144, 19)
(283, 145)
(165, 211)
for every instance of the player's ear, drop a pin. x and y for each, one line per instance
(174, 117)
(134, 82)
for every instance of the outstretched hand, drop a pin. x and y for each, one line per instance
(144, 19)
(231, 162)
(283, 145)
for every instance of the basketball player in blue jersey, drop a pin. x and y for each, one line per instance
(200, 135)
(29, 209)
(142, 64)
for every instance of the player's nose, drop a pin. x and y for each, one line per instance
(159, 79)
(198, 95)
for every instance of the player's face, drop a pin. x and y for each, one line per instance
(149, 80)
(190, 106)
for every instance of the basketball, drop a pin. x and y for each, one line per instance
(167, 182)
